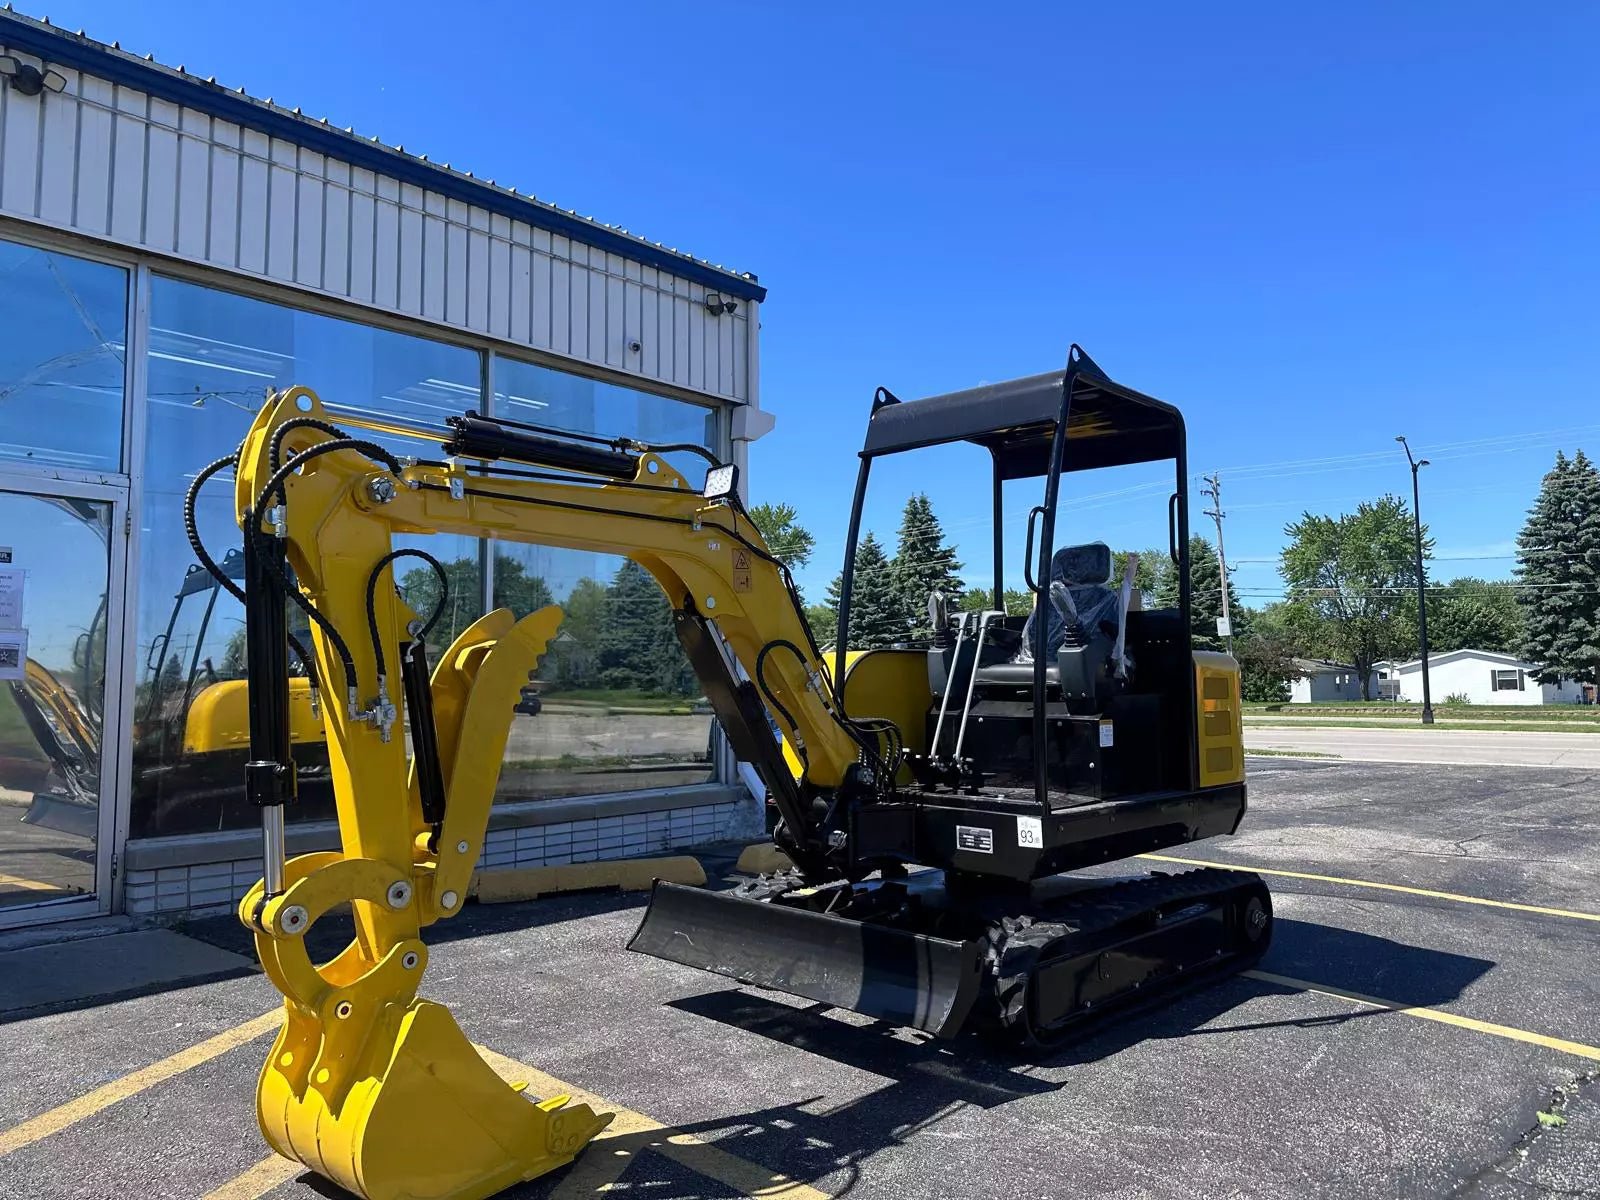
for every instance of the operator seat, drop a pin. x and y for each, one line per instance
(1095, 608)
(1081, 642)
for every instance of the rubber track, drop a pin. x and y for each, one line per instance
(1019, 944)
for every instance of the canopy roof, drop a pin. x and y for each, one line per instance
(1108, 425)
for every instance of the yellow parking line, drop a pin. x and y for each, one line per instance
(630, 1132)
(258, 1180)
(74, 1111)
(1384, 887)
(1509, 1032)
(31, 885)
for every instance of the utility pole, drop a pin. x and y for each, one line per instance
(1422, 591)
(1214, 494)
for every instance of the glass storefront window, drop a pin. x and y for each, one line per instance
(214, 357)
(63, 339)
(614, 705)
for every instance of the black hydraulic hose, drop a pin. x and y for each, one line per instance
(191, 526)
(275, 446)
(760, 679)
(373, 451)
(372, 607)
(682, 448)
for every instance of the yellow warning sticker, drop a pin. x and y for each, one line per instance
(741, 569)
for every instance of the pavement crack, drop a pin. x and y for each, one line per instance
(1548, 1119)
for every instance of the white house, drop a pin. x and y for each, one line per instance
(1324, 682)
(1482, 676)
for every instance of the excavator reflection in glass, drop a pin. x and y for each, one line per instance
(930, 797)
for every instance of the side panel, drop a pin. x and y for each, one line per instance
(1220, 738)
(891, 684)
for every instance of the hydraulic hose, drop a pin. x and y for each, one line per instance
(191, 526)
(373, 451)
(372, 607)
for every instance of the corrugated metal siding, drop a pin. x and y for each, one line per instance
(108, 160)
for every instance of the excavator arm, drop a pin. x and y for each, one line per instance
(369, 1084)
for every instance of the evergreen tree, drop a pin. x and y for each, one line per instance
(1205, 594)
(1558, 566)
(639, 647)
(923, 564)
(876, 618)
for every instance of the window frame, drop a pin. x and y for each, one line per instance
(1518, 683)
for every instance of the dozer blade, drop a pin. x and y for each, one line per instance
(908, 978)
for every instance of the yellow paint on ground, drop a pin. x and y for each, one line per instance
(258, 1180)
(1433, 1014)
(1384, 887)
(30, 885)
(610, 1153)
(74, 1111)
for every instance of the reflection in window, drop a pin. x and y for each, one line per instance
(544, 396)
(214, 358)
(52, 703)
(613, 705)
(63, 336)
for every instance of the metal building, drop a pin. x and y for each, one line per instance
(171, 251)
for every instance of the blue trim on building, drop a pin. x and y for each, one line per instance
(71, 50)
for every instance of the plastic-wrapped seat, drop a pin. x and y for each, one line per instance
(1083, 613)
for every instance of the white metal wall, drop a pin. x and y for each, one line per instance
(110, 161)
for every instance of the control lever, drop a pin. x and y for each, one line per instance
(1061, 601)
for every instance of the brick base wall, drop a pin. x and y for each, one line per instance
(212, 889)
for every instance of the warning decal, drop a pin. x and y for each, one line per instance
(741, 569)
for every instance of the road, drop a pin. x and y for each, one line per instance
(1519, 748)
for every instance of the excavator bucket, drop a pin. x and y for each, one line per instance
(907, 978)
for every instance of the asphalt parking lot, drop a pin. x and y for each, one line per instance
(1477, 1019)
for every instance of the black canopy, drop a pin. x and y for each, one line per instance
(1108, 425)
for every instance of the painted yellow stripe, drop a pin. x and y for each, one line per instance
(32, 885)
(1383, 887)
(1433, 1014)
(629, 1132)
(258, 1180)
(74, 1111)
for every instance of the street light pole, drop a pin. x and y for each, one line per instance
(1422, 592)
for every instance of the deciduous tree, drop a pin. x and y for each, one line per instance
(1348, 577)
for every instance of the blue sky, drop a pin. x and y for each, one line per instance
(1311, 227)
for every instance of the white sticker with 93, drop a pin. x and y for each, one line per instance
(1030, 833)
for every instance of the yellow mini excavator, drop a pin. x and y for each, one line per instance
(930, 796)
